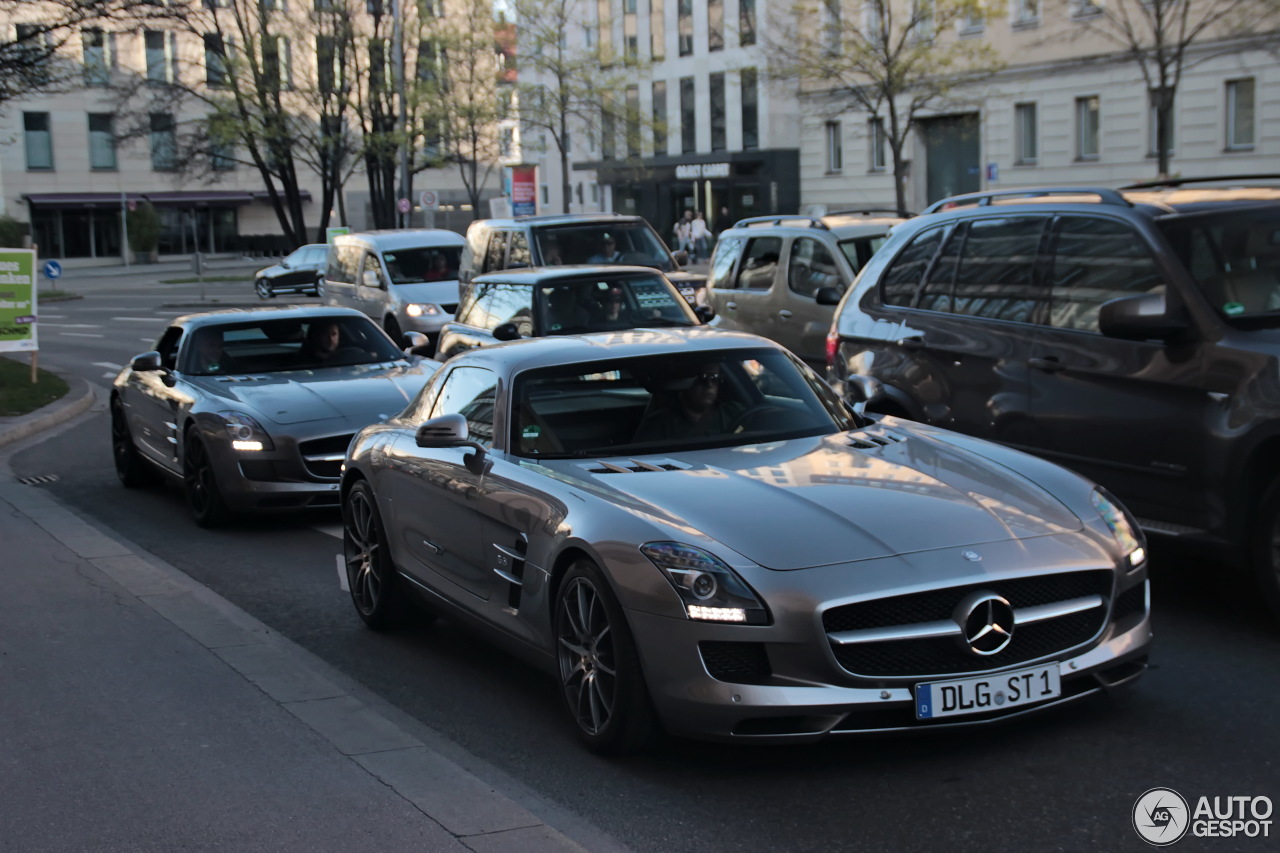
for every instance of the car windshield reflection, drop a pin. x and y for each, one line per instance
(282, 344)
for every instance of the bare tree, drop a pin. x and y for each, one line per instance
(1159, 36)
(896, 60)
(565, 87)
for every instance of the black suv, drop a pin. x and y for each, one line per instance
(573, 238)
(1131, 334)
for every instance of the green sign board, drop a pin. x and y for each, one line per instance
(17, 300)
(330, 233)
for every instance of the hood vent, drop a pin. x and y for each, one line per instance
(243, 377)
(875, 442)
(633, 466)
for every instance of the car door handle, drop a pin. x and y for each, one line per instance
(1048, 365)
(732, 306)
(784, 314)
(911, 343)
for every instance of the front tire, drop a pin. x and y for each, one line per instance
(375, 588)
(601, 682)
(200, 484)
(131, 468)
(1266, 548)
(264, 289)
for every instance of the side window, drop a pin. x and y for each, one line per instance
(316, 257)
(899, 283)
(470, 392)
(495, 257)
(811, 266)
(167, 346)
(518, 254)
(370, 262)
(728, 250)
(469, 310)
(760, 263)
(497, 303)
(940, 276)
(996, 275)
(343, 263)
(1095, 260)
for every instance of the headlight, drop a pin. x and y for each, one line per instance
(418, 309)
(709, 589)
(1122, 526)
(246, 433)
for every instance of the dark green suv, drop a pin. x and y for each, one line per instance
(1131, 334)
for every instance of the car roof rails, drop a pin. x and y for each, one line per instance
(549, 217)
(1177, 182)
(869, 211)
(1105, 195)
(780, 219)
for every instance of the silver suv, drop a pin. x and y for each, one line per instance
(781, 276)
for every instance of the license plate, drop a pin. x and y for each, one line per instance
(987, 693)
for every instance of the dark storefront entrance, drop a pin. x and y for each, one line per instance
(952, 156)
(749, 183)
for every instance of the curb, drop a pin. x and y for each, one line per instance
(75, 402)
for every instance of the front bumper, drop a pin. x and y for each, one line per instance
(281, 479)
(691, 702)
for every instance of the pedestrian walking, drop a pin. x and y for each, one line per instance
(700, 236)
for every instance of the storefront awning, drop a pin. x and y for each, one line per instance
(187, 198)
(263, 195)
(223, 198)
(79, 200)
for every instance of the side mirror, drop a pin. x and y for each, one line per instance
(148, 361)
(705, 313)
(827, 296)
(860, 391)
(1142, 317)
(371, 278)
(506, 332)
(285, 264)
(451, 431)
(411, 342)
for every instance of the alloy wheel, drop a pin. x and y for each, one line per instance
(361, 546)
(264, 290)
(585, 648)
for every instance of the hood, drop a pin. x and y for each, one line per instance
(428, 291)
(359, 394)
(820, 501)
(265, 272)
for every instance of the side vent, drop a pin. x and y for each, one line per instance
(511, 569)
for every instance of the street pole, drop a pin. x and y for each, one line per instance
(397, 68)
(124, 227)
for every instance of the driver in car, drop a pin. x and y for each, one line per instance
(690, 406)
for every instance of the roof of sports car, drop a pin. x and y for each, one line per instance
(242, 315)
(550, 351)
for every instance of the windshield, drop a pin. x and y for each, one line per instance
(603, 304)
(279, 344)
(435, 263)
(1234, 258)
(669, 403)
(627, 242)
(858, 252)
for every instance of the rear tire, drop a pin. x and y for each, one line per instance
(1266, 548)
(371, 577)
(264, 289)
(131, 468)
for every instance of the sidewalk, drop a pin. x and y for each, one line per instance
(144, 712)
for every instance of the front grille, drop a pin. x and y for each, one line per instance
(323, 457)
(942, 655)
(736, 663)
(1130, 602)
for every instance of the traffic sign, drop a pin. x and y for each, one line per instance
(429, 199)
(52, 269)
(404, 205)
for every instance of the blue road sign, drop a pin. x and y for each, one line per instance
(52, 269)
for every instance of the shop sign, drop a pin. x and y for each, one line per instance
(693, 171)
(17, 300)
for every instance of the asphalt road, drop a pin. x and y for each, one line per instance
(1203, 720)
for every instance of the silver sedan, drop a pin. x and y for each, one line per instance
(693, 533)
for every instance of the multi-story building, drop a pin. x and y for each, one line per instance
(74, 161)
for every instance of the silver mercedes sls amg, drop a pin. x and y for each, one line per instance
(253, 410)
(691, 531)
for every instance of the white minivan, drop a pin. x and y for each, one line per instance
(406, 280)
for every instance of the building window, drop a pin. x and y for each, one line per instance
(608, 131)
(631, 48)
(277, 62)
(99, 57)
(660, 118)
(329, 64)
(688, 117)
(831, 28)
(876, 137)
(222, 156)
(684, 28)
(1087, 128)
(719, 119)
(161, 56)
(379, 65)
(1240, 114)
(1026, 12)
(715, 24)
(657, 30)
(750, 110)
(215, 61)
(39, 141)
(164, 142)
(102, 141)
(746, 22)
(633, 122)
(1025, 149)
(545, 192)
(1154, 121)
(835, 147)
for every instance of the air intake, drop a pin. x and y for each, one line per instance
(869, 441)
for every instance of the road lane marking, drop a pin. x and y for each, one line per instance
(112, 365)
(72, 325)
(79, 335)
(142, 319)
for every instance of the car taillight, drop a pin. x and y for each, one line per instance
(833, 345)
